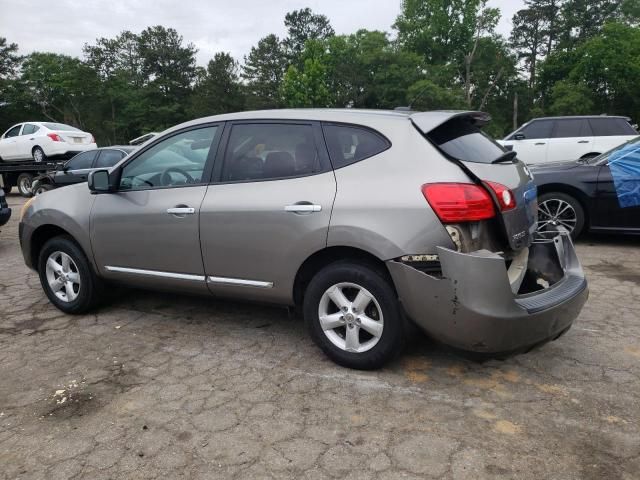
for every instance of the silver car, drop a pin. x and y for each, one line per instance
(364, 220)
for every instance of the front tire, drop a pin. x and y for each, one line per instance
(24, 182)
(557, 209)
(38, 155)
(353, 315)
(66, 276)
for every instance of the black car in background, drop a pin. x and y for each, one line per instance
(5, 211)
(77, 169)
(582, 196)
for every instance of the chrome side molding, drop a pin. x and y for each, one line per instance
(239, 282)
(154, 273)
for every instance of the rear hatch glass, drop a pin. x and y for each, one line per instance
(461, 140)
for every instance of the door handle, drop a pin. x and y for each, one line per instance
(540, 143)
(583, 141)
(303, 208)
(181, 211)
(32, 139)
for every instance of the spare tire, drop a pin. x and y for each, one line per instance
(24, 184)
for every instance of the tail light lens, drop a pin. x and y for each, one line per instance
(506, 198)
(459, 202)
(55, 137)
(93, 140)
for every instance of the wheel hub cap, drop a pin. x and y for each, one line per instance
(63, 276)
(350, 317)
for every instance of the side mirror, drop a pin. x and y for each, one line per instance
(519, 136)
(98, 181)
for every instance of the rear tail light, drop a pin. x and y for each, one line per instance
(55, 137)
(506, 198)
(459, 202)
(93, 140)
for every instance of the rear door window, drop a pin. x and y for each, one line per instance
(269, 151)
(348, 144)
(461, 139)
(108, 158)
(29, 129)
(569, 128)
(82, 161)
(537, 129)
(609, 127)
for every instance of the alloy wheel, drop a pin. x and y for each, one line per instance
(554, 212)
(63, 276)
(351, 317)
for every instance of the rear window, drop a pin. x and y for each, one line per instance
(61, 126)
(348, 144)
(609, 127)
(461, 139)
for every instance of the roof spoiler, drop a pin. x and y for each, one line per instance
(428, 121)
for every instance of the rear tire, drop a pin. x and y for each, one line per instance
(552, 202)
(38, 155)
(24, 184)
(41, 188)
(362, 334)
(67, 277)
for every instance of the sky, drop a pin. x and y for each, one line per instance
(64, 26)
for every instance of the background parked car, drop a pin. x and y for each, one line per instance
(77, 169)
(568, 138)
(582, 195)
(38, 141)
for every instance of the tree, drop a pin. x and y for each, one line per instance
(441, 31)
(9, 59)
(218, 90)
(61, 86)
(303, 25)
(263, 71)
(583, 19)
(569, 98)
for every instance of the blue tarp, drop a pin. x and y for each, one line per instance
(625, 169)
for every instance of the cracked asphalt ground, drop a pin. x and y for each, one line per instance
(160, 386)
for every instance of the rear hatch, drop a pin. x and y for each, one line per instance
(458, 136)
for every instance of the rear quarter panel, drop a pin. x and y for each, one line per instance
(379, 204)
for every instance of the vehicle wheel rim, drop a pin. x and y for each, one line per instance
(37, 155)
(351, 317)
(555, 213)
(63, 276)
(25, 186)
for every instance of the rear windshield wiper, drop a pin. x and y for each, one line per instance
(506, 157)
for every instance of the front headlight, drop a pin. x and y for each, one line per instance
(26, 205)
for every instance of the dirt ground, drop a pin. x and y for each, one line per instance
(160, 386)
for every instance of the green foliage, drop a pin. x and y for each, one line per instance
(303, 25)
(568, 98)
(218, 88)
(263, 72)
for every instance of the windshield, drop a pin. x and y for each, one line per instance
(61, 126)
(604, 157)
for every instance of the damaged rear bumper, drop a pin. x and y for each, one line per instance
(473, 307)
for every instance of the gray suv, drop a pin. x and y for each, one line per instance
(364, 220)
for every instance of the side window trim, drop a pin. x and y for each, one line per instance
(209, 163)
(356, 126)
(325, 164)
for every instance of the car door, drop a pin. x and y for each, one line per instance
(27, 140)
(610, 213)
(9, 143)
(77, 169)
(531, 141)
(147, 231)
(571, 139)
(267, 210)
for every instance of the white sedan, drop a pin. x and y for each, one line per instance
(38, 141)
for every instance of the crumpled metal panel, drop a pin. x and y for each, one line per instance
(625, 169)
